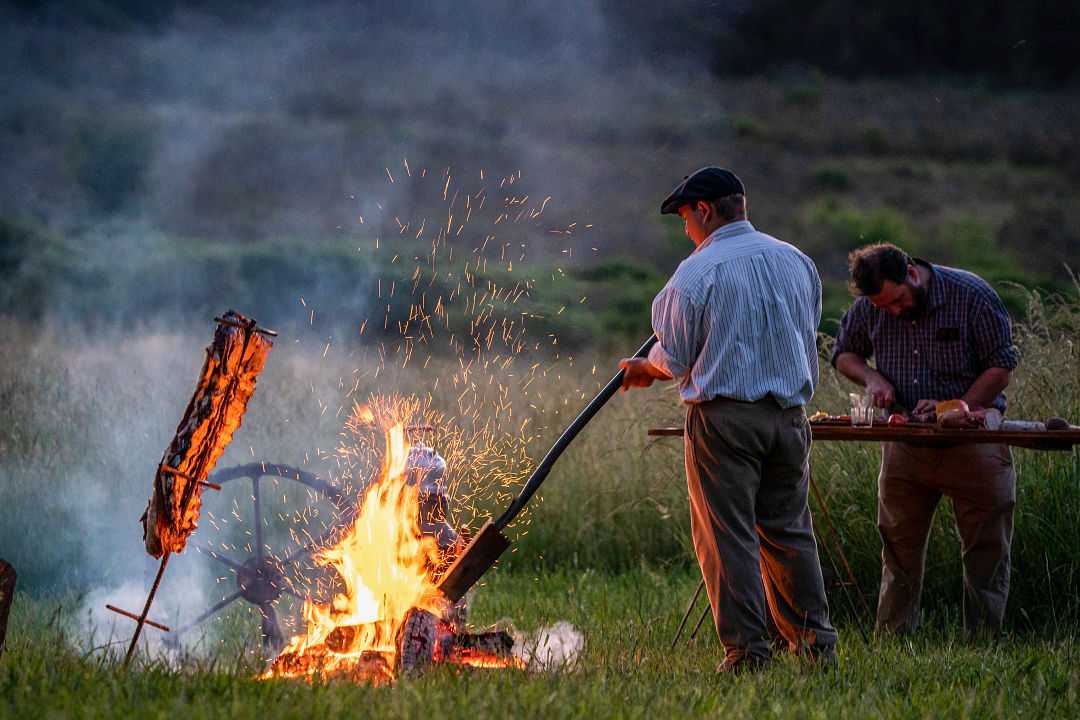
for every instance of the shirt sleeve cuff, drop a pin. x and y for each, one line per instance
(838, 349)
(835, 354)
(661, 359)
(1004, 358)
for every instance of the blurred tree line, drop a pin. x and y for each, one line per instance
(1026, 43)
(151, 165)
(1017, 43)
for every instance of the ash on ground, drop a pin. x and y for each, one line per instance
(554, 647)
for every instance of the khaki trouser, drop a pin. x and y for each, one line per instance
(981, 481)
(747, 469)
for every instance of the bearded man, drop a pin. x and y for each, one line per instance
(935, 333)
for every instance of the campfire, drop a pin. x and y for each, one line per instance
(388, 616)
(400, 569)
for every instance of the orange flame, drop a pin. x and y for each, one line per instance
(385, 565)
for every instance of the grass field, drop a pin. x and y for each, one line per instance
(626, 670)
(82, 420)
(302, 165)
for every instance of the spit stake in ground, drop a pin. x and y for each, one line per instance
(234, 359)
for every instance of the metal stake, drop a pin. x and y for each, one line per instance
(686, 615)
(859, 618)
(146, 609)
(704, 614)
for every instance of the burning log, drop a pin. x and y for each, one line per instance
(233, 361)
(438, 631)
(423, 641)
(389, 617)
(369, 666)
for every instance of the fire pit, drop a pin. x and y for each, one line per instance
(263, 577)
(389, 617)
(424, 640)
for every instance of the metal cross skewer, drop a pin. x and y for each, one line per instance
(146, 609)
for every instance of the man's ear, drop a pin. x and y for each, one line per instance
(707, 211)
(913, 274)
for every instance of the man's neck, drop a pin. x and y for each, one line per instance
(925, 276)
(710, 233)
(724, 223)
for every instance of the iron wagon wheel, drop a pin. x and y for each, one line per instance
(261, 577)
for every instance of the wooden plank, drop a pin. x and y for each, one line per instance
(928, 434)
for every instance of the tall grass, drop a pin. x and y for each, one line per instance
(627, 670)
(618, 500)
(83, 422)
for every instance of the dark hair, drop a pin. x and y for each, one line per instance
(870, 266)
(730, 207)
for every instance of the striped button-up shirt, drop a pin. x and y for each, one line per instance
(739, 318)
(938, 356)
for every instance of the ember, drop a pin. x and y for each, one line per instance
(389, 617)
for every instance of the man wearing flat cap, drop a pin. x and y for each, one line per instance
(737, 326)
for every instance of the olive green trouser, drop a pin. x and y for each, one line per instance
(981, 482)
(747, 469)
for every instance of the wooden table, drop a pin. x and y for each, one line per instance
(922, 434)
(1062, 440)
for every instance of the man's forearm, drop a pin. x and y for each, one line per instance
(987, 387)
(854, 368)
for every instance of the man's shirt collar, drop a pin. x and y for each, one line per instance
(739, 227)
(935, 292)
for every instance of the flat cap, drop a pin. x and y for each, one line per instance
(708, 183)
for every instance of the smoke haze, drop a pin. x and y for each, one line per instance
(166, 161)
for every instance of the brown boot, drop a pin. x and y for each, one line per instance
(740, 664)
(821, 657)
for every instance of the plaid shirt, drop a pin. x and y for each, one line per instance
(965, 331)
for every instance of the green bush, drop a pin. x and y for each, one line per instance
(622, 292)
(874, 140)
(805, 91)
(833, 179)
(846, 228)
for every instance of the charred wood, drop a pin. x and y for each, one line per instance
(233, 362)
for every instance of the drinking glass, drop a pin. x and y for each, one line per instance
(862, 409)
